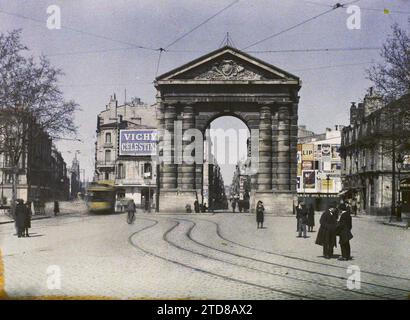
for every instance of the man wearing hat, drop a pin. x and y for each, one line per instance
(326, 235)
(344, 227)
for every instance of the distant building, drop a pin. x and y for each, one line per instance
(60, 181)
(367, 156)
(41, 172)
(75, 178)
(135, 176)
(319, 166)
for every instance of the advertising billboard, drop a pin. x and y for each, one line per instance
(139, 142)
(309, 179)
(326, 151)
(307, 152)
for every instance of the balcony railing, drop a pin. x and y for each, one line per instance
(105, 163)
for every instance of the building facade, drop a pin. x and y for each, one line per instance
(368, 161)
(134, 176)
(319, 166)
(41, 172)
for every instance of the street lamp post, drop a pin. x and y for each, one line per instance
(399, 161)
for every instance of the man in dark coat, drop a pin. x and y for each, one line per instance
(344, 227)
(27, 218)
(311, 218)
(326, 235)
(260, 213)
(196, 206)
(302, 216)
(20, 213)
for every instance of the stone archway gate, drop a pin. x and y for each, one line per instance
(229, 81)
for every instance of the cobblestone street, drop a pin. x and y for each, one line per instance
(220, 256)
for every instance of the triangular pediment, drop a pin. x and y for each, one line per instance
(227, 64)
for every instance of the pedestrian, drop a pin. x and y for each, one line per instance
(326, 235)
(233, 203)
(260, 212)
(130, 211)
(354, 206)
(311, 218)
(20, 217)
(56, 208)
(344, 227)
(27, 218)
(196, 206)
(302, 216)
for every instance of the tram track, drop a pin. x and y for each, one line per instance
(188, 234)
(214, 274)
(219, 233)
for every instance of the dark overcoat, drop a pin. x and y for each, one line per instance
(311, 217)
(344, 227)
(260, 210)
(302, 214)
(327, 229)
(27, 217)
(20, 215)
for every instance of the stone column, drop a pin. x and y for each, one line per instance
(283, 165)
(293, 146)
(275, 123)
(169, 170)
(187, 169)
(265, 149)
(161, 125)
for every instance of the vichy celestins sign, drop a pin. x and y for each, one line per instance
(141, 142)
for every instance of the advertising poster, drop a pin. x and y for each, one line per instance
(335, 151)
(307, 152)
(326, 151)
(318, 151)
(327, 185)
(138, 142)
(309, 179)
(307, 165)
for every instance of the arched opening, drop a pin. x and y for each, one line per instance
(226, 180)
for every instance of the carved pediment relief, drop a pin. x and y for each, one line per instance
(226, 70)
(227, 64)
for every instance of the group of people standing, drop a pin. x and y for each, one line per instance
(336, 221)
(23, 218)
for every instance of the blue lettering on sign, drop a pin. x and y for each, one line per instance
(138, 142)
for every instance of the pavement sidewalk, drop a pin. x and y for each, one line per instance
(66, 208)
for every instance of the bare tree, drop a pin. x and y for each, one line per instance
(392, 81)
(392, 76)
(31, 102)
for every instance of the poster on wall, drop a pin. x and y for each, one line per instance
(299, 173)
(307, 152)
(307, 165)
(309, 179)
(318, 151)
(138, 142)
(335, 151)
(327, 185)
(326, 151)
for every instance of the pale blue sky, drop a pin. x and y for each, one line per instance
(331, 80)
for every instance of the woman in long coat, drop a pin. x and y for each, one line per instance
(260, 213)
(311, 218)
(326, 235)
